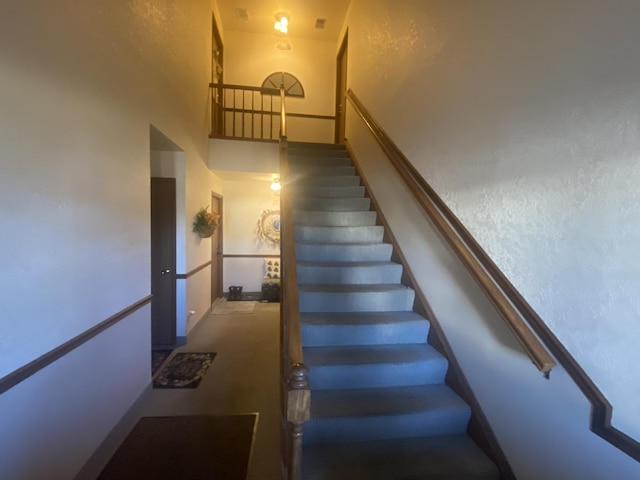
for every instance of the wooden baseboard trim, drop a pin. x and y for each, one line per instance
(14, 378)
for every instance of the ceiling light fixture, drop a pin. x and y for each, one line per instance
(275, 185)
(282, 23)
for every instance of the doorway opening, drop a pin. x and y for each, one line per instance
(168, 236)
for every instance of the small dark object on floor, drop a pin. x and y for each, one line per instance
(271, 291)
(195, 447)
(235, 294)
(157, 359)
(184, 370)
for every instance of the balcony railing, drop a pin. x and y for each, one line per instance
(243, 112)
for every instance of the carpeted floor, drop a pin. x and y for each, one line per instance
(224, 307)
(195, 447)
(184, 370)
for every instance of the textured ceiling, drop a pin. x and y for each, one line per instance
(302, 15)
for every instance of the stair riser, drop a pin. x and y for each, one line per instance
(334, 219)
(299, 165)
(330, 181)
(321, 171)
(361, 429)
(333, 192)
(378, 375)
(380, 252)
(385, 301)
(342, 275)
(333, 204)
(371, 334)
(339, 234)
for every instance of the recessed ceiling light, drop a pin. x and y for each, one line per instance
(321, 22)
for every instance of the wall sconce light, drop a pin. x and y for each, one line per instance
(275, 185)
(282, 23)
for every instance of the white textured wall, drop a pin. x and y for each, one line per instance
(524, 117)
(80, 83)
(244, 202)
(250, 58)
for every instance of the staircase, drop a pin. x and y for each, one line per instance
(379, 405)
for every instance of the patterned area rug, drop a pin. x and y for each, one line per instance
(184, 370)
(224, 307)
(158, 357)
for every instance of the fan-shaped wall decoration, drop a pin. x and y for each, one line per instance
(292, 86)
(268, 228)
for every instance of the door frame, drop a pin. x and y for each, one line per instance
(216, 250)
(217, 114)
(341, 89)
(167, 240)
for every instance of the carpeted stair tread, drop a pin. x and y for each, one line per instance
(319, 204)
(324, 171)
(383, 287)
(334, 219)
(349, 273)
(371, 251)
(446, 457)
(355, 298)
(364, 328)
(367, 414)
(345, 264)
(371, 354)
(361, 234)
(331, 191)
(326, 181)
(374, 366)
(384, 401)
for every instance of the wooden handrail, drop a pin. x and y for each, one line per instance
(295, 391)
(263, 90)
(513, 308)
(445, 222)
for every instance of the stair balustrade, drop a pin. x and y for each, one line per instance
(295, 392)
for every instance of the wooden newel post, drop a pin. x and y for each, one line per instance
(298, 412)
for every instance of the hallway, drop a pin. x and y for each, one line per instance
(243, 378)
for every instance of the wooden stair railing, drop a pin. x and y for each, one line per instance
(295, 391)
(519, 316)
(242, 112)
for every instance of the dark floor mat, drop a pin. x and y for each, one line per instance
(184, 370)
(200, 447)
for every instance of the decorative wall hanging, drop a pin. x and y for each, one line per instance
(269, 226)
(206, 222)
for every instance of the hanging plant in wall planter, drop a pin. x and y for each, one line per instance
(206, 222)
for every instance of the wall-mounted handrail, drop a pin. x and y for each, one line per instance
(444, 220)
(295, 392)
(513, 308)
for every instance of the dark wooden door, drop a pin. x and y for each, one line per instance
(216, 251)
(163, 261)
(341, 90)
